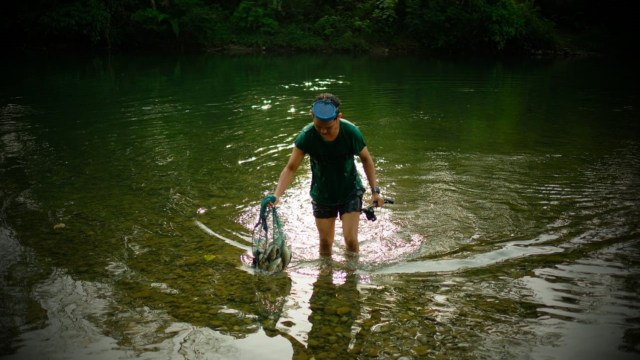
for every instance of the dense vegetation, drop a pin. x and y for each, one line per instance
(435, 26)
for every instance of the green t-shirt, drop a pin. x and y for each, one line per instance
(334, 177)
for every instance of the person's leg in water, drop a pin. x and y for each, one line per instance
(326, 231)
(350, 217)
(327, 228)
(326, 224)
(350, 223)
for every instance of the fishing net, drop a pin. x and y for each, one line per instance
(270, 250)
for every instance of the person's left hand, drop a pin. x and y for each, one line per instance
(377, 200)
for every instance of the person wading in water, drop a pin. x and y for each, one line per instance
(336, 188)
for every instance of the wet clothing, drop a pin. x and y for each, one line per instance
(334, 176)
(331, 211)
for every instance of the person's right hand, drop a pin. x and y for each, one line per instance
(268, 201)
(271, 203)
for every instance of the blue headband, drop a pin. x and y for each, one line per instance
(324, 110)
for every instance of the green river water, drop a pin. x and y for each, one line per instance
(129, 186)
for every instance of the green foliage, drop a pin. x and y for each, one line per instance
(461, 26)
(150, 19)
(348, 41)
(206, 27)
(340, 34)
(191, 23)
(537, 33)
(255, 16)
(384, 18)
(328, 27)
(298, 35)
(83, 19)
(475, 25)
(505, 21)
(200, 24)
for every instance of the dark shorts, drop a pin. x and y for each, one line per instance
(354, 204)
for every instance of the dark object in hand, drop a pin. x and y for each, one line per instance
(370, 214)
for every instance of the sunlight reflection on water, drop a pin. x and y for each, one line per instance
(380, 242)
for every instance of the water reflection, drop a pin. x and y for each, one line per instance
(594, 301)
(324, 325)
(335, 305)
(270, 299)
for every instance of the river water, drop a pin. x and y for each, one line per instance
(130, 186)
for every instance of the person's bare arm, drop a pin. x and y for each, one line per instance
(288, 173)
(370, 171)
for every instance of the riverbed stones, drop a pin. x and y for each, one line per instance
(420, 350)
(343, 310)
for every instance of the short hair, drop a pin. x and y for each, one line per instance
(328, 96)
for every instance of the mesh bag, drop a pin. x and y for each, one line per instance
(270, 250)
